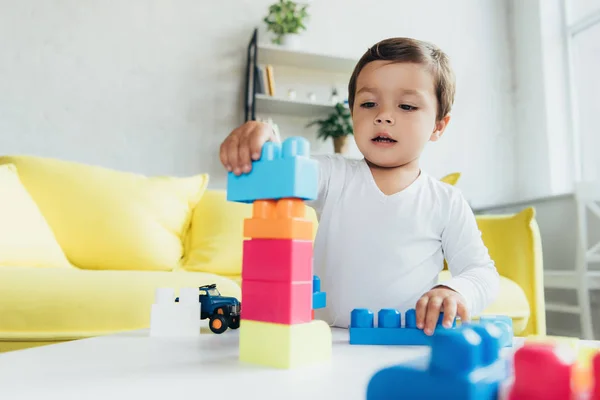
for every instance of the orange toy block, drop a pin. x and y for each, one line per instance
(278, 219)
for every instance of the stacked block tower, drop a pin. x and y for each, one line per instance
(277, 326)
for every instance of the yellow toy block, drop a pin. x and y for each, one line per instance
(285, 346)
(582, 373)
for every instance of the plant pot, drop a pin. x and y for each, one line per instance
(290, 41)
(340, 144)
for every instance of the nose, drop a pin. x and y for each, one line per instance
(384, 118)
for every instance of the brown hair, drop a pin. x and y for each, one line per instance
(409, 50)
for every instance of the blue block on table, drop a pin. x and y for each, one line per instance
(319, 300)
(505, 324)
(464, 364)
(284, 170)
(389, 330)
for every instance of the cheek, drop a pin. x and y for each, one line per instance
(417, 125)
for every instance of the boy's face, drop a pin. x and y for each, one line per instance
(394, 112)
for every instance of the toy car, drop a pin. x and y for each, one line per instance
(223, 312)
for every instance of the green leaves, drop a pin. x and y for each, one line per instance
(285, 17)
(338, 123)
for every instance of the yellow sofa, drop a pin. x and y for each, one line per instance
(83, 248)
(92, 245)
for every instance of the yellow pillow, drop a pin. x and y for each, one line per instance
(215, 240)
(515, 245)
(106, 219)
(451, 179)
(217, 233)
(26, 240)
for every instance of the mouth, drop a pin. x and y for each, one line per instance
(383, 138)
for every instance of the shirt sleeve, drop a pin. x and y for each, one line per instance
(325, 171)
(474, 273)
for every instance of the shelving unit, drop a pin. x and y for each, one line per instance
(275, 55)
(270, 54)
(275, 105)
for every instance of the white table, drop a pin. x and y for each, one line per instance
(133, 365)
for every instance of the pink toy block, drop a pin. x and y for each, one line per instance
(596, 372)
(540, 374)
(277, 302)
(280, 260)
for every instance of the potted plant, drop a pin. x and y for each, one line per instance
(338, 126)
(286, 18)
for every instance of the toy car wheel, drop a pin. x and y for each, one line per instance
(234, 323)
(218, 323)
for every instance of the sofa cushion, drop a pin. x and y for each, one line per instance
(107, 219)
(515, 245)
(26, 239)
(215, 240)
(511, 301)
(54, 304)
(217, 234)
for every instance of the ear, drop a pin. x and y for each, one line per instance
(440, 127)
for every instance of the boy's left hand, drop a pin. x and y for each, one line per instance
(438, 299)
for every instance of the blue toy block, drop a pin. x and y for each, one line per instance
(464, 364)
(319, 299)
(316, 284)
(506, 327)
(283, 171)
(389, 330)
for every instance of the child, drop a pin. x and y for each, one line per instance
(385, 225)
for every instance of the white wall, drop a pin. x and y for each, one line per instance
(154, 86)
(544, 153)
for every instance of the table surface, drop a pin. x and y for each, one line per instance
(133, 365)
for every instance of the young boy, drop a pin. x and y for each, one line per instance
(386, 226)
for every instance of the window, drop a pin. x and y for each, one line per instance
(583, 27)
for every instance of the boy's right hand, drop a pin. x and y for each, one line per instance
(244, 145)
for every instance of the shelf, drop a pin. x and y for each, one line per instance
(276, 55)
(273, 105)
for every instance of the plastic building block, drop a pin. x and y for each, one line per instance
(571, 342)
(283, 171)
(583, 373)
(278, 219)
(595, 395)
(285, 346)
(277, 302)
(389, 330)
(541, 373)
(464, 364)
(319, 299)
(278, 260)
(175, 319)
(505, 324)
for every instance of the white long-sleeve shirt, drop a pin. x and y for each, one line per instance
(385, 251)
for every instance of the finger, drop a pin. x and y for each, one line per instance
(233, 154)
(463, 312)
(433, 314)
(258, 139)
(244, 153)
(223, 155)
(449, 306)
(421, 310)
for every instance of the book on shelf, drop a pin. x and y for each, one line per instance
(264, 80)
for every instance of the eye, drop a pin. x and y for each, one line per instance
(368, 104)
(406, 107)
